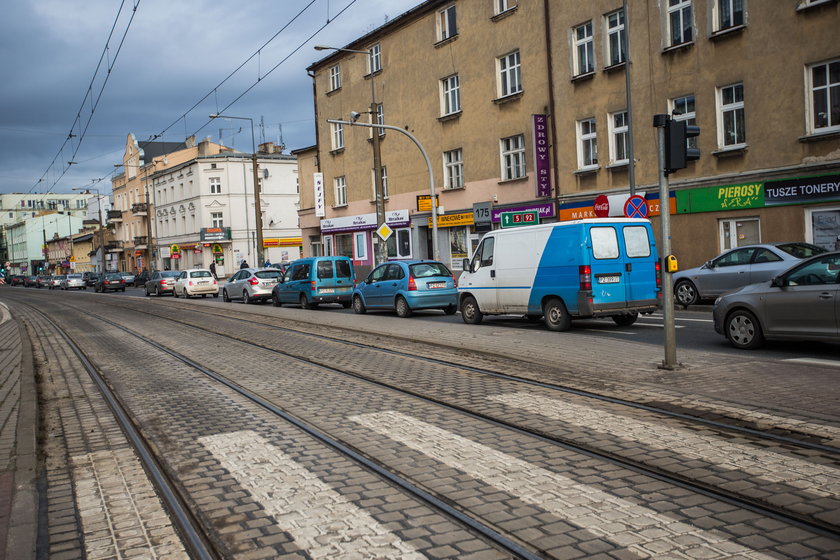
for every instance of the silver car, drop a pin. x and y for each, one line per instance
(802, 303)
(73, 282)
(738, 267)
(251, 285)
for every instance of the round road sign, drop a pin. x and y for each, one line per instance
(636, 207)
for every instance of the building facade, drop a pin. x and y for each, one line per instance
(525, 105)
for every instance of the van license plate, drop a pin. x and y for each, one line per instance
(608, 279)
(327, 291)
(434, 285)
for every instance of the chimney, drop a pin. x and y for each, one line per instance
(204, 147)
(267, 148)
(190, 142)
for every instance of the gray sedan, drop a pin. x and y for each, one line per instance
(73, 282)
(800, 304)
(738, 267)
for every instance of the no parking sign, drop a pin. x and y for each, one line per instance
(636, 207)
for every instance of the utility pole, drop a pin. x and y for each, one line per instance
(660, 122)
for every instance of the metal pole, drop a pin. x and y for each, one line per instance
(380, 254)
(630, 150)
(670, 361)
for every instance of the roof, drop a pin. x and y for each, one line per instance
(151, 150)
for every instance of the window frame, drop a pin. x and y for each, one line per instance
(685, 10)
(374, 59)
(335, 77)
(718, 13)
(383, 169)
(447, 23)
(588, 44)
(620, 30)
(502, 6)
(616, 132)
(340, 190)
(215, 185)
(736, 108)
(217, 219)
(583, 138)
(828, 87)
(450, 95)
(512, 157)
(337, 136)
(509, 73)
(360, 252)
(453, 169)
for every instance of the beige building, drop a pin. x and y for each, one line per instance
(523, 105)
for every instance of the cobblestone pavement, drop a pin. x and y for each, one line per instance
(269, 491)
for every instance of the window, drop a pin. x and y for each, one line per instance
(680, 28)
(513, 157)
(340, 191)
(374, 59)
(484, 254)
(618, 138)
(380, 119)
(682, 109)
(337, 136)
(446, 23)
(587, 143)
(503, 5)
(728, 13)
(636, 241)
(335, 77)
(399, 244)
(584, 51)
(384, 174)
(453, 169)
(215, 185)
(450, 95)
(604, 243)
(344, 245)
(824, 81)
(738, 232)
(823, 227)
(616, 38)
(510, 77)
(360, 243)
(217, 220)
(731, 116)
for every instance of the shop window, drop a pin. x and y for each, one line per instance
(344, 245)
(824, 226)
(360, 242)
(399, 244)
(737, 233)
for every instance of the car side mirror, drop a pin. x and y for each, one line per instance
(708, 264)
(465, 265)
(778, 282)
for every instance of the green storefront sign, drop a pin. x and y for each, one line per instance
(728, 197)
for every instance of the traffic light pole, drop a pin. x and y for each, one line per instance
(661, 122)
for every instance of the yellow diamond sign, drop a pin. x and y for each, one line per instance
(384, 232)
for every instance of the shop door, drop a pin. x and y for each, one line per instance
(737, 233)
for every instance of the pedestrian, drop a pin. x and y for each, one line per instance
(267, 263)
(243, 265)
(213, 270)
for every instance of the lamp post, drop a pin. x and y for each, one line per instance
(257, 207)
(101, 232)
(380, 253)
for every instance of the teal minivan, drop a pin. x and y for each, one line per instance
(315, 280)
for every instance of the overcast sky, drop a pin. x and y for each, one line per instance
(173, 55)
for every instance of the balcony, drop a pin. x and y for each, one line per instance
(141, 243)
(115, 216)
(114, 246)
(140, 209)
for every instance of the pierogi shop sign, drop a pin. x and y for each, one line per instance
(802, 190)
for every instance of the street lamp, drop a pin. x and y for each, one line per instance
(257, 208)
(101, 232)
(380, 255)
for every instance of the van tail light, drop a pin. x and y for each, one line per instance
(253, 281)
(312, 286)
(585, 272)
(658, 276)
(412, 285)
(454, 281)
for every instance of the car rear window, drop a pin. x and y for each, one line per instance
(268, 274)
(325, 269)
(636, 241)
(801, 250)
(604, 242)
(342, 269)
(200, 274)
(426, 270)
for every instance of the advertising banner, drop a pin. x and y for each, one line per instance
(542, 164)
(802, 190)
(320, 204)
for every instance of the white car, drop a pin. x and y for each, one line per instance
(195, 282)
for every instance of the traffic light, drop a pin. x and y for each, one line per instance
(677, 152)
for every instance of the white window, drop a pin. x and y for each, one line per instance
(618, 138)
(453, 169)
(510, 76)
(616, 38)
(384, 174)
(217, 220)
(731, 133)
(215, 185)
(682, 109)
(399, 244)
(360, 245)
(503, 5)
(587, 143)
(739, 232)
(728, 13)
(380, 118)
(446, 23)
(337, 135)
(335, 77)
(824, 81)
(340, 191)
(374, 59)
(450, 95)
(680, 28)
(584, 51)
(513, 157)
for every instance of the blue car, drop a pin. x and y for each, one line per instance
(406, 286)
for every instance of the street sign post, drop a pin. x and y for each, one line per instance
(516, 219)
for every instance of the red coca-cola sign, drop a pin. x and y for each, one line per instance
(601, 206)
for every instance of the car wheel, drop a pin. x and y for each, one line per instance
(625, 319)
(403, 310)
(359, 305)
(148, 293)
(743, 330)
(225, 296)
(686, 293)
(450, 309)
(175, 292)
(276, 301)
(470, 312)
(556, 315)
(246, 299)
(304, 303)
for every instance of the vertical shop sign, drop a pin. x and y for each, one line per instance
(542, 164)
(320, 207)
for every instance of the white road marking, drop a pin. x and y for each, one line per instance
(119, 509)
(687, 319)
(815, 478)
(319, 519)
(641, 530)
(815, 361)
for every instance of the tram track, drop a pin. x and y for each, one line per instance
(809, 523)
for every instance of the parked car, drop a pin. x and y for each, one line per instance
(55, 281)
(799, 304)
(110, 281)
(251, 285)
(17, 280)
(129, 278)
(141, 279)
(738, 267)
(91, 278)
(406, 286)
(315, 280)
(31, 281)
(195, 281)
(162, 282)
(73, 282)
(42, 281)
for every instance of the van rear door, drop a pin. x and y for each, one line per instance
(609, 277)
(640, 263)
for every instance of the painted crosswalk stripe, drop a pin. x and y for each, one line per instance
(817, 479)
(320, 520)
(641, 530)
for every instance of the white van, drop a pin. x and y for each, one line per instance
(561, 271)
